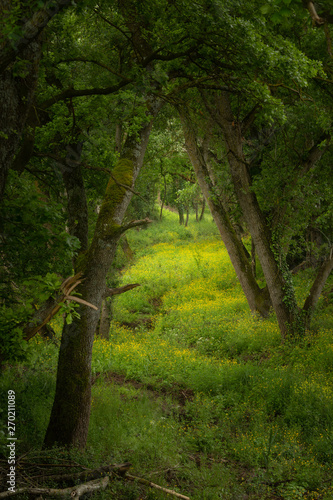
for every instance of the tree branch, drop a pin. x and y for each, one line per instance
(66, 94)
(92, 61)
(134, 223)
(316, 20)
(109, 292)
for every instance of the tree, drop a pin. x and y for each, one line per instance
(20, 44)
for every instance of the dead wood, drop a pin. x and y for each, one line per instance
(74, 491)
(156, 486)
(52, 306)
(89, 475)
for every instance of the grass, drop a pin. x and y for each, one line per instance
(203, 399)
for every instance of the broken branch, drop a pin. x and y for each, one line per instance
(52, 306)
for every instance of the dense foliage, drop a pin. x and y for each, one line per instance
(112, 113)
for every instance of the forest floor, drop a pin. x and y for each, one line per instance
(199, 395)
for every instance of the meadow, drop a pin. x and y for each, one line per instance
(196, 392)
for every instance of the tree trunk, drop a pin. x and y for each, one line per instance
(277, 275)
(164, 195)
(202, 214)
(126, 248)
(187, 216)
(316, 289)
(105, 320)
(253, 258)
(69, 419)
(181, 215)
(196, 207)
(257, 298)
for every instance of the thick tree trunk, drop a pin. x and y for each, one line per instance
(71, 408)
(257, 298)
(276, 273)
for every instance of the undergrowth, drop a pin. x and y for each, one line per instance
(204, 399)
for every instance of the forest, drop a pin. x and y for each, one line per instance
(166, 241)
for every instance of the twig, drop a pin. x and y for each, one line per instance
(156, 486)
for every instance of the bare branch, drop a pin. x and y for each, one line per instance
(109, 292)
(316, 20)
(53, 305)
(156, 486)
(73, 492)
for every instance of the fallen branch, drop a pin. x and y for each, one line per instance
(156, 486)
(75, 492)
(88, 475)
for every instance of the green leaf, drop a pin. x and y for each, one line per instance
(285, 12)
(265, 9)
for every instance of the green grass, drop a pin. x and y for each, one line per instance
(206, 400)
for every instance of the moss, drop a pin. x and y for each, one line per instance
(123, 174)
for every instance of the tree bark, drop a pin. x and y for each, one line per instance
(69, 419)
(105, 320)
(257, 298)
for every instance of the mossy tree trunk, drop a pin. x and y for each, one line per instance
(258, 299)
(69, 419)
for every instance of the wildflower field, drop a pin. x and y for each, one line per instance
(196, 392)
